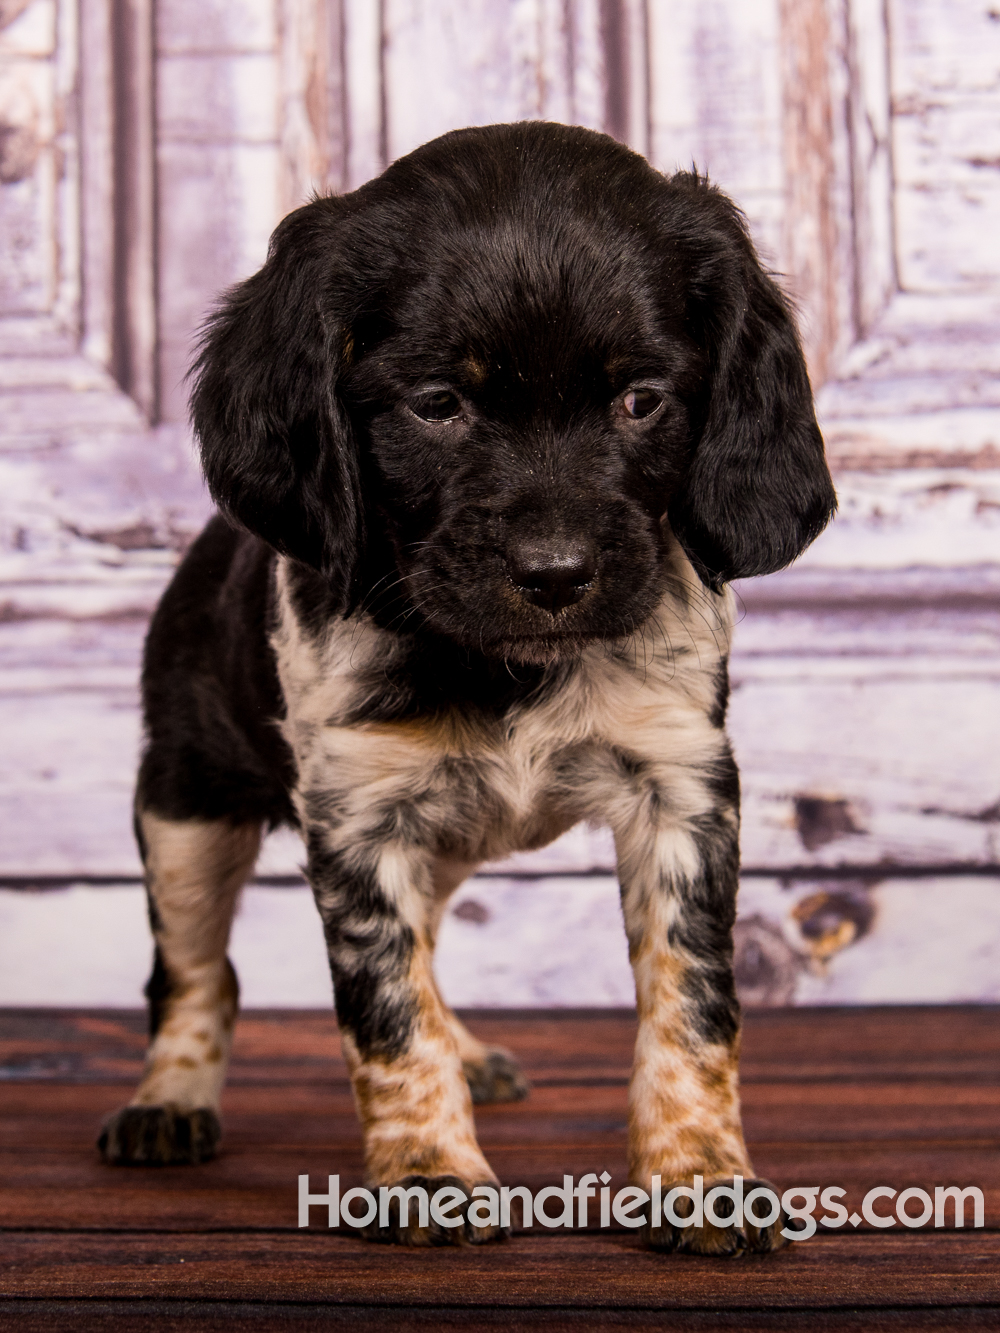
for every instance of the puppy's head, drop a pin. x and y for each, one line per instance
(486, 392)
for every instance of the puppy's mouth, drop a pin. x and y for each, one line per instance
(541, 649)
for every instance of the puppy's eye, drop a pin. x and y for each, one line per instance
(639, 403)
(439, 406)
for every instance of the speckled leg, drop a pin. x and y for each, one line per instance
(679, 858)
(398, 1038)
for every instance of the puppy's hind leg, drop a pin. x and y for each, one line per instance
(194, 872)
(492, 1073)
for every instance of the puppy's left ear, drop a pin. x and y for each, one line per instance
(277, 446)
(758, 489)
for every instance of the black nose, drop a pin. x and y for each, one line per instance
(552, 573)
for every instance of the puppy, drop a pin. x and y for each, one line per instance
(490, 435)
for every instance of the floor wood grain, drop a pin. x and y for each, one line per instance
(855, 1098)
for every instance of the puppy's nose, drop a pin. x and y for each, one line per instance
(552, 574)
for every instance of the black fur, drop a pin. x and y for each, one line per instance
(501, 262)
(157, 989)
(704, 930)
(210, 690)
(717, 717)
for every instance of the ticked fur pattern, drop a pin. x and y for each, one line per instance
(630, 733)
(490, 437)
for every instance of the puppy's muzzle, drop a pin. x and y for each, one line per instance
(552, 573)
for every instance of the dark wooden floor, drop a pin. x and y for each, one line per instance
(848, 1097)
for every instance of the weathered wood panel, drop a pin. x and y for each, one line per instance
(900, 701)
(37, 72)
(866, 65)
(919, 388)
(810, 250)
(582, 63)
(218, 165)
(63, 414)
(76, 192)
(864, 713)
(877, 690)
(716, 102)
(542, 941)
(73, 546)
(313, 119)
(134, 361)
(504, 62)
(946, 119)
(925, 354)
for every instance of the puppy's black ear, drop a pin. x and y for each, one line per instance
(277, 447)
(758, 490)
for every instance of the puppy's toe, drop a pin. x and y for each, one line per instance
(421, 1228)
(765, 1239)
(720, 1242)
(159, 1136)
(716, 1242)
(497, 1079)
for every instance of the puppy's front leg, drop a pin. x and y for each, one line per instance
(376, 901)
(678, 863)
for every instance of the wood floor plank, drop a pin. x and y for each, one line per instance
(256, 1188)
(858, 1098)
(40, 1112)
(876, 1044)
(596, 1272)
(225, 1316)
(221, 1317)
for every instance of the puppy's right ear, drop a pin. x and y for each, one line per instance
(277, 447)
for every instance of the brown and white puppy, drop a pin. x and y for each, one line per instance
(493, 433)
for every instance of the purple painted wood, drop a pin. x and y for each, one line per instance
(866, 701)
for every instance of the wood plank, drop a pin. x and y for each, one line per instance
(854, 1099)
(216, 1316)
(255, 1188)
(814, 1113)
(827, 676)
(585, 1271)
(878, 1043)
(894, 1096)
(218, 208)
(945, 115)
(919, 391)
(40, 415)
(513, 940)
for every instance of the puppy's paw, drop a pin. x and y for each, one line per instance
(468, 1232)
(766, 1239)
(721, 1242)
(159, 1136)
(498, 1078)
